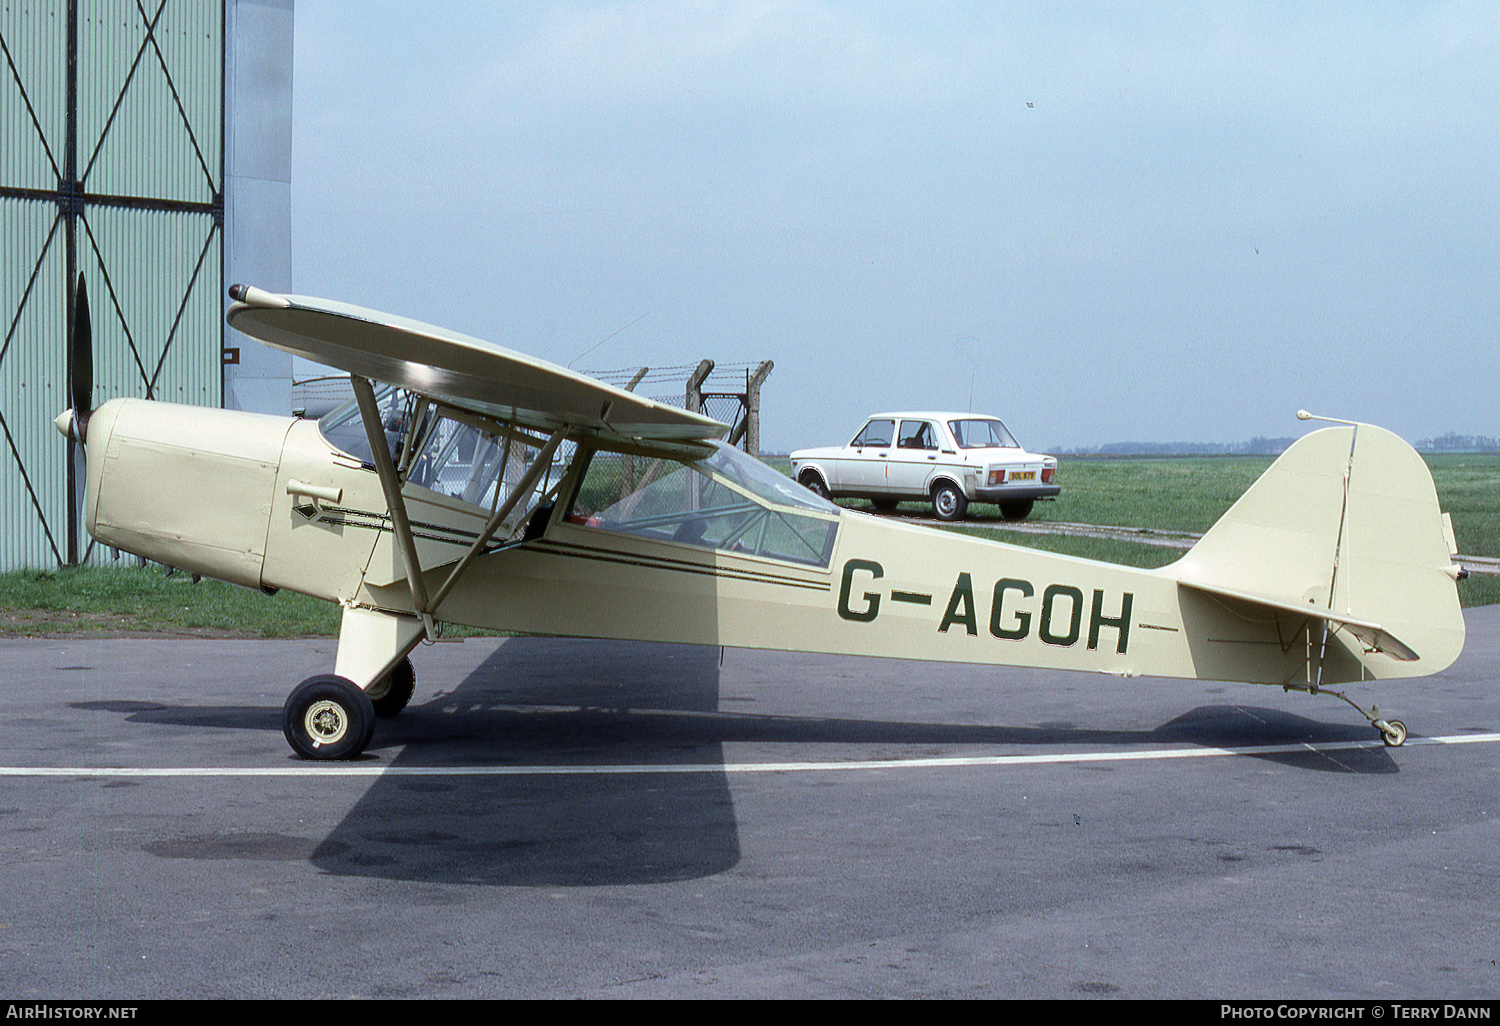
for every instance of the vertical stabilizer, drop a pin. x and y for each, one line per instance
(1346, 526)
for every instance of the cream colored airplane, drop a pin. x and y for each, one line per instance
(472, 484)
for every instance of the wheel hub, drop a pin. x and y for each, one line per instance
(325, 722)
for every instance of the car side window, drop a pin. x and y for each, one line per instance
(916, 434)
(876, 433)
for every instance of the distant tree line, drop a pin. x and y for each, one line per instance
(1455, 442)
(1262, 446)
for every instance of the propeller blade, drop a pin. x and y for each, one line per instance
(83, 356)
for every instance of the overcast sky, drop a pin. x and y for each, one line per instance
(1101, 222)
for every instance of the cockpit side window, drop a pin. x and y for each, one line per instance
(729, 503)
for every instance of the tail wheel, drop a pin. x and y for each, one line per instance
(328, 717)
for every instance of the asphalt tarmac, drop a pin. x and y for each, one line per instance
(559, 818)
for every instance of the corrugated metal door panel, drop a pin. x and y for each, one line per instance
(147, 235)
(149, 121)
(33, 385)
(153, 288)
(33, 96)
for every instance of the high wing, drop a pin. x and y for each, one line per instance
(463, 372)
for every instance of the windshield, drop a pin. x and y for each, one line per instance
(344, 428)
(443, 454)
(982, 434)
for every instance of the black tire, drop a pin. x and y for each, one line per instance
(948, 502)
(328, 717)
(1017, 509)
(391, 693)
(885, 505)
(813, 482)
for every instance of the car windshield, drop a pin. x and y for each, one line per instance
(982, 434)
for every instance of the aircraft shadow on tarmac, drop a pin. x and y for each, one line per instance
(541, 702)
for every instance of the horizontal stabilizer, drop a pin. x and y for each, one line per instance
(1375, 637)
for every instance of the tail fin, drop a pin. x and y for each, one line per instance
(1345, 529)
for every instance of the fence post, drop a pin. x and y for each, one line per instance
(752, 407)
(695, 386)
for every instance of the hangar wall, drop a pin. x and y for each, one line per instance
(147, 149)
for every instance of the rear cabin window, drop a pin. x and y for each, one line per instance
(727, 502)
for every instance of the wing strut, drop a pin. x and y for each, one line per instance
(390, 482)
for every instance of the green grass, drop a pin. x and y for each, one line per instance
(1468, 486)
(146, 599)
(1185, 494)
(1178, 494)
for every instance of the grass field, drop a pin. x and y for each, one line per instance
(1182, 494)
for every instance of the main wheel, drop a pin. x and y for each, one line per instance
(390, 694)
(328, 717)
(948, 503)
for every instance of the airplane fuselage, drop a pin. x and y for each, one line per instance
(270, 503)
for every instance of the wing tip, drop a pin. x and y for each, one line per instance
(252, 296)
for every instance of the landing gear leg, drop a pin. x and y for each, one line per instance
(1392, 732)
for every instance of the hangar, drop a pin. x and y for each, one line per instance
(145, 148)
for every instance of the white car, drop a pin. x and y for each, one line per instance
(948, 459)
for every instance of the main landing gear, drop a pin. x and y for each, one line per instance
(1392, 732)
(329, 717)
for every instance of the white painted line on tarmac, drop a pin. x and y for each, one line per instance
(360, 769)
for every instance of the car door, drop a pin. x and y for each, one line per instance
(912, 460)
(862, 464)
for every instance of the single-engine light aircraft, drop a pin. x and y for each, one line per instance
(472, 484)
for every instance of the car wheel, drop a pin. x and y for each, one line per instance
(813, 483)
(948, 503)
(1017, 509)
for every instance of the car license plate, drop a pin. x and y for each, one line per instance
(1022, 475)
